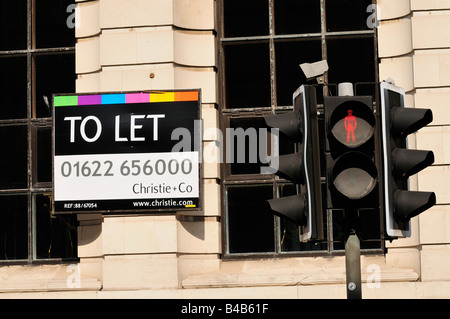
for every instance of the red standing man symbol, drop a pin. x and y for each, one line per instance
(350, 125)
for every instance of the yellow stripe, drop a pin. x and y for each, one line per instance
(189, 206)
(162, 97)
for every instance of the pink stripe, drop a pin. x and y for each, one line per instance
(137, 98)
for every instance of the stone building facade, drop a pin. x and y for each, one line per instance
(134, 45)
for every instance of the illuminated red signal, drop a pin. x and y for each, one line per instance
(350, 125)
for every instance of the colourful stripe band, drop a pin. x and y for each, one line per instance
(125, 98)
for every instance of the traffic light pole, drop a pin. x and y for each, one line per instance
(353, 267)
(352, 255)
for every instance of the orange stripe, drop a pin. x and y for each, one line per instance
(186, 96)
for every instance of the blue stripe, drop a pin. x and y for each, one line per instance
(113, 99)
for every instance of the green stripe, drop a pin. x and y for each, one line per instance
(65, 100)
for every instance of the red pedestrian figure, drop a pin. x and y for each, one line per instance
(350, 125)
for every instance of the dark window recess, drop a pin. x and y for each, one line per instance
(289, 232)
(13, 161)
(355, 63)
(37, 59)
(247, 75)
(368, 229)
(339, 233)
(249, 146)
(289, 56)
(369, 220)
(13, 227)
(13, 88)
(44, 155)
(293, 16)
(285, 145)
(56, 235)
(250, 226)
(54, 24)
(347, 15)
(54, 74)
(246, 18)
(13, 25)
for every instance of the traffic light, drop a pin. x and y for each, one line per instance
(301, 167)
(397, 122)
(352, 175)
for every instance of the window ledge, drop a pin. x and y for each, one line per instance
(227, 280)
(45, 278)
(84, 284)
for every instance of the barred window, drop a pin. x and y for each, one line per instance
(37, 59)
(262, 44)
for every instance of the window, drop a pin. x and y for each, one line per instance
(37, 59)
(262, 44)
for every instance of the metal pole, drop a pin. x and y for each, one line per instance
(353, 267)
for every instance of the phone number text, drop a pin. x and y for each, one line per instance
(126, 168)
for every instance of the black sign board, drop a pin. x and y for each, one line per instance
(127, 152)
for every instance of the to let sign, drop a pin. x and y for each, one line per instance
(127, 152)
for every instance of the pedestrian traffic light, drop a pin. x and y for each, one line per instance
(352, 175)
(301, 167)
(399, 163)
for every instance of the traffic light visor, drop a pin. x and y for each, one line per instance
(290, 207)
(290, 167)
(288, 124)
(409, 204)
(406, 121)
(408, 162)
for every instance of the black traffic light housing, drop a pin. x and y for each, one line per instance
(399, 163)
(301, 167)
(352, 175)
